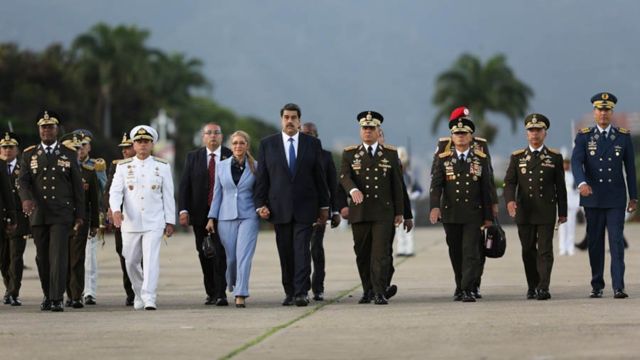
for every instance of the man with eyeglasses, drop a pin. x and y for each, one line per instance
(194, 199)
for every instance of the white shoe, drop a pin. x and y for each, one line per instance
(150, 306)
(138, 304)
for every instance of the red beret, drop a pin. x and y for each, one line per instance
(459, 112)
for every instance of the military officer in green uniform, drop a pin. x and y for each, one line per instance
(480, 144)
(460, 197)
(534, 189)
(371, 174)
(11, 249)
(78, 239)
(51, 193)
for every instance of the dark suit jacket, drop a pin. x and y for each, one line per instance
(332, 178)
(7, 199)
(296, 198)
(194, 185)
(23, 227)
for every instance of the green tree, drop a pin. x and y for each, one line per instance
(492, 86)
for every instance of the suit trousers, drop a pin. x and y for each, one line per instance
(293, 241)
(317, 257)
(613, 220)
(464, 253)
(91, 267)
(123, 265)
(137, 246)
(213, 269)
(52, 258)
(537, 253)
(239, 239)
(372, 247)
(11, 262)
(75, 277)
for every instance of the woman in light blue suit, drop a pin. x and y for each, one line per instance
(234, 210)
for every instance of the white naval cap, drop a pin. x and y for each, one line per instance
(144, 132)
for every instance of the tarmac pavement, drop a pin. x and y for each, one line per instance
(421, 322)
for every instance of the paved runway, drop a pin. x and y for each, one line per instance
(421, 322)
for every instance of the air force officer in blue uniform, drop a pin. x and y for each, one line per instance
(602, 156)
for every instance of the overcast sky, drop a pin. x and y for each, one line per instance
(337, 58)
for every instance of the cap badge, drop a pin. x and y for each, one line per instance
(6, 136)
(369, 117)
(534, 119)
(466, 111)
(460, 124)
(46, 115)
(141, 131)
(605, 96)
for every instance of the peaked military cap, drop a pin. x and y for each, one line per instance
(536, 121)
(71, 140)
(462, 125)
(86, 135)
(143, 132)
(9, 139)
(604, 100)
(48, 118)
(126, 141)
(370, 118)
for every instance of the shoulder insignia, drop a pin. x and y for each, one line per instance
(481, 139)
(88, 167)
(30, 148)
(116, 161)
(160, 160)
(352, 147)
(517, 152)
(480, 153)
(553, 151)
(585, 130)
(70, 147)
(444, 139)
(100, 164)
(390, 147)
(444, 154)
(125, 161)
(623, 131)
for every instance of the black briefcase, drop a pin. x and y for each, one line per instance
(495, 241)
(208, 247)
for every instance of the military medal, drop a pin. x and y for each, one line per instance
(130, 187)
(592, 152)
(39, 153)
(523, 170)
(153, 187)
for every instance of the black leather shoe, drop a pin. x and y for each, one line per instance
(6, 300)
(46, 304)
(467, 296)
(476, 293)
(89, 300)
(457, 295)
(531, 294)
(620, 294)
(68, 303)
(596, 293)
(318, 296)
(210, 301)
(288, 301)
(365, 299)
(57, 306)
(380, 300)
(77, 304)
(222, 302)
(15, 301)
(302, 300)
(129, 301)
(543, 294)
(390, 291)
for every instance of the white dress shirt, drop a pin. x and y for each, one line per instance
(12, 165)
(285, 141)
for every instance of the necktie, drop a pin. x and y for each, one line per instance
(9, 169)
(604, 136)
(212, 177)
(461, 157)
(292, 157)
(48, 150)
(370, 151)
(536, 153)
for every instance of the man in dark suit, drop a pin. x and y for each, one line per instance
(194, 200)
(317, 236)
(52, 196)
(370, 173)
(126, 146)
(601, 158)
(536, 175)
(292, 193)
(12, 244)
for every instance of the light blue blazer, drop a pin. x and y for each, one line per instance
(231, 202)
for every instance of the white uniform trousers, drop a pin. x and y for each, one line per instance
(143, 247)
(567, 233)
(405, 241)
(91, 267)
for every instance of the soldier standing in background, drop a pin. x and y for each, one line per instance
(12, 244)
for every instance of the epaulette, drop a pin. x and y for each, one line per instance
(70, 147)
(352, 147)
(116, 161)
(624, 131)
(125, 161)
(160, 160)
(480, 153)
(553, 151)
(444, 139)
(481, 139)
(100, 165)
(517, 152)
(88, 167)
(30, 148)
(585, 130)
(444, 154)
(390, 147)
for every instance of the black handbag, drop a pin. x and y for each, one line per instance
(495, 241)
(208, 247)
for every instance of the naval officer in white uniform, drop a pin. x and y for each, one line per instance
(143, 186)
